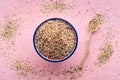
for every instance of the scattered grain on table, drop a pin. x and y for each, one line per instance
(72, 73)
(55, 6)
(10, 29)
(111, 33)
(105, 53)
(24, 68)
(108, 47)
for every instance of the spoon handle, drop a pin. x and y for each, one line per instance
(86, 51)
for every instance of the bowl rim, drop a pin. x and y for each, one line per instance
(50, 60)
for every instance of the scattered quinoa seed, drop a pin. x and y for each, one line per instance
(56, 6)
(72, 72)
(106, 53)
(23, 68)
(10, 29)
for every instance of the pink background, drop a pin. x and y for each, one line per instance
(31, 14)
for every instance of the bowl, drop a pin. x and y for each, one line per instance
(55, 40)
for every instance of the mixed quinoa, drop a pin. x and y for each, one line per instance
(55, 39)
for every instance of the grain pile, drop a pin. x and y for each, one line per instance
(56, 6)
(10, 29)
(55, 39)
(23, 68)
(106, 52)
(107, 48)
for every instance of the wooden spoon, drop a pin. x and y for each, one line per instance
(92, 26)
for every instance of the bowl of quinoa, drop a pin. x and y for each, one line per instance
(55, 40)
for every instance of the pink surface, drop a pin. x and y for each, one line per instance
(30, 14)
